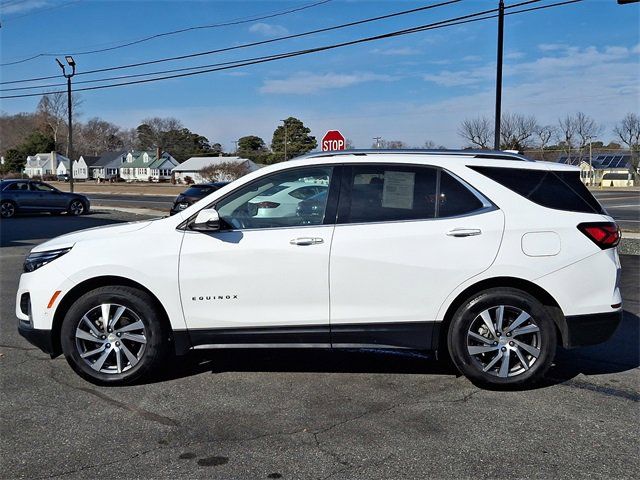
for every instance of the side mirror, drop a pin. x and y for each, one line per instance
(207, 220)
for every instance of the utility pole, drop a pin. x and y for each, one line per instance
(235, 142)
(591, 172)
(72, 64)
(377, 139)
(285, 139)
(498, 113)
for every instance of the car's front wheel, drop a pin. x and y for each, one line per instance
(114, 335)
(76, 207)
(7, 209)
(502, 337)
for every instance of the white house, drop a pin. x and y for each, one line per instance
(43, 164)
(147, 166)
(63, 167)
(191, 167)
(81, 167)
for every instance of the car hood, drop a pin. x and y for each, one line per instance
(70, 239)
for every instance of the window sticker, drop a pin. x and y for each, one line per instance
(398, 189)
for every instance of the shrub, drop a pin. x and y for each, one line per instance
(224, 171)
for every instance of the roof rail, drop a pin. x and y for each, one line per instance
(493, 154)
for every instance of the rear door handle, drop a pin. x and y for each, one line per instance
(464, 232)
(306, 241)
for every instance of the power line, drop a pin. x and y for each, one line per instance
(247, 45)
(235, 21)
(442, 24)
(185, 69)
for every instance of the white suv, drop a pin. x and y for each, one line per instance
(484, 255)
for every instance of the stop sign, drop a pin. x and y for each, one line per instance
(333, 140)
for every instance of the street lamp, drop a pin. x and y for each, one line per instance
(72, 64)
(285, 139)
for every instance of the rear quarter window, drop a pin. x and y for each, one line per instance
(560, 190)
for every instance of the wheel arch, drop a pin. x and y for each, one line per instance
(531, 288)
(91, 284)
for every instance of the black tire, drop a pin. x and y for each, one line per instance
(140, 306)
(76, 208)
(7, 209)
(468, 317)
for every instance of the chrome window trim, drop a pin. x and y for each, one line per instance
(488, 205)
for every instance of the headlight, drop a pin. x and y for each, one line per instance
(36, 260)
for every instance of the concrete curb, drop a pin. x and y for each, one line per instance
(136, 211)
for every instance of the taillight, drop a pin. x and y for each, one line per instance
(603, 234)
(267, 205)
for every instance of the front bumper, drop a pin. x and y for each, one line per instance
(591, 329)
(43, 339)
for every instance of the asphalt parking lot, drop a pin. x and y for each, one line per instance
(311, 414)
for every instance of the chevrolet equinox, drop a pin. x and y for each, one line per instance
(488, 257)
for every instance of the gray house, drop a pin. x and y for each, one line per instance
(106, 167)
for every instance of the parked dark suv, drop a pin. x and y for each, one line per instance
(35, 196)
(194, 193)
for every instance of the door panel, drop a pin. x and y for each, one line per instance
(256, 278)
(265, 276)
(403, 271)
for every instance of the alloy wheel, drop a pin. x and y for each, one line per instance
(111, 338)
(76, 207)
(504, 341)
(7, 210)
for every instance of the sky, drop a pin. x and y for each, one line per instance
(415, 88)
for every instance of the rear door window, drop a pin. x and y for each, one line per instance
(560, 190)
(393, 192)
(382, 193)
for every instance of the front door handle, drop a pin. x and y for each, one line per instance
(464, 232)
(306, 241)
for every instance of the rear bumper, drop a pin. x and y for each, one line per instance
(39, 338)
(591, 329)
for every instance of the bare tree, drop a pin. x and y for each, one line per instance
(98, 136)
(566, 133)
(151, 132)
(586, 129)
(389, 144)
(52, 113)
(544, 134)
(517, 131)
(224, 171)
(478, 131)
(628, 131)
(129, 137)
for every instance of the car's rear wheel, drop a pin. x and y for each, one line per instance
(502, 337)
(7, 209)
(76, 207)
(114, 335)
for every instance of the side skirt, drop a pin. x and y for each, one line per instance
(404, 335)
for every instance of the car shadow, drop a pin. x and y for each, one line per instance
(23, 229)
(621, 353)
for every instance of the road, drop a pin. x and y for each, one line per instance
(624, 206)
(311, 414)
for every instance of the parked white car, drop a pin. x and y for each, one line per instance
(489, 257)
(281, 201)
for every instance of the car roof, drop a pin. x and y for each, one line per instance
(441, 158)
